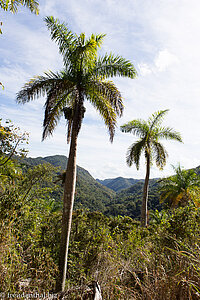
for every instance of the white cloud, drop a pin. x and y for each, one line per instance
(144, 69)
(164, 59)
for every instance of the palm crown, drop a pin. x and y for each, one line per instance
(184, 186)
(83, 77)
(149, 132)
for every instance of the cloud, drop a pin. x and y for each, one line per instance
(162, 44)
(164, 59)
(144, 69)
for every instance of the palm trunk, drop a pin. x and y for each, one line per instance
(145, 194)
(68, 201)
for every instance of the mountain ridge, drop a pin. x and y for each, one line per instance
(119, 197)
(89, 193)
(119, 183)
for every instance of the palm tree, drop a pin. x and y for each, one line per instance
(181, 188)
(149, 132)
(83, 78)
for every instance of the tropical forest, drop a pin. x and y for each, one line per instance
(99, 152)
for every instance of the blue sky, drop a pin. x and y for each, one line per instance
(160, 37)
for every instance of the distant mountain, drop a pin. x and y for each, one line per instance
(89, 193)
(119, 183)
(118, 196)
(128, 201)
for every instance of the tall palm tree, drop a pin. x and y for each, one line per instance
(181, 188)
(149, 133)
(83, 78)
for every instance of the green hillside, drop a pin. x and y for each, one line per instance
(119, 183)
(128, 202)
(94, 196)
(89, 193)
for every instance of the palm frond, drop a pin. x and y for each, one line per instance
(12, 5)
(54, 107)
(169, 134)
(42, 85)
(137, 127)
(156, 118)
(98, 38)
(31, 4)
(84, 55)
(159, 153)
(134, 153)
(180, 188)
(64, 37)
(37, 87)
(107, 90)
(110, 66)
(106, 111)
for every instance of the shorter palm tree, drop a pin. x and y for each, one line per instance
(181, 188)
(149, 132)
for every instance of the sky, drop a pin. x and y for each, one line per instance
(161, 39)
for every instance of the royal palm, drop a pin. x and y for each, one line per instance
(149, 132)
(82, 78)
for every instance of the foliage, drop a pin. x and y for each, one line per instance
(129, 262)
(119, 183)
(83, 77)
(26, 240)
(12, 5)
(89, 193)
(128, 202)
(181, 188)
(11, 141)
(93, 196)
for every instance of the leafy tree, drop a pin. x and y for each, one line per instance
(83, 77)
(11, 144)
(10, 140)
(181, 188)
(149, 132)
(27, 241)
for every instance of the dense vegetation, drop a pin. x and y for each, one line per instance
(129, 262)
(119, 183)
(89, 193)
(96, 197)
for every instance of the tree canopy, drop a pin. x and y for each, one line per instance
(181, 188)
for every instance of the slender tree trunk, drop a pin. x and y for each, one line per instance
(68, 201)
(145, 195)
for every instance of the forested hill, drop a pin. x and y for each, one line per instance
(119, 183)
(91, 194)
